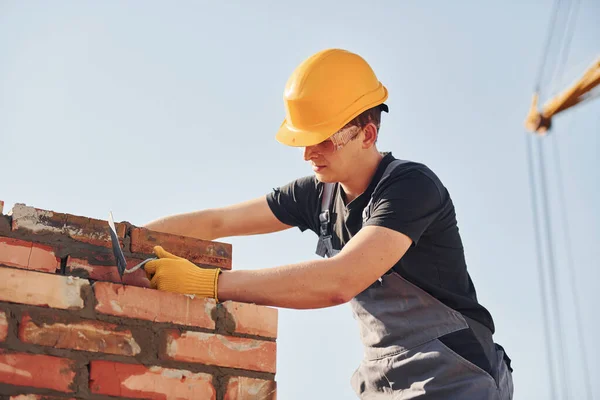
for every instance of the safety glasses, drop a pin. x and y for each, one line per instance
(338, 140)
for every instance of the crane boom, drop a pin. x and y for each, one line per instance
(580, 91)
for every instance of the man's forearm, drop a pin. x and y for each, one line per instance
(247, 218)
(197, 224)
(306, 285)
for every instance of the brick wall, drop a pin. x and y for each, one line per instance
(69, 328)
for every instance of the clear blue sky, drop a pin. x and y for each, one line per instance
(168, 107)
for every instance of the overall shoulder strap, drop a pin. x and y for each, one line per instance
(324, 246)
(386, 173)
(390, 168)
(327, 196)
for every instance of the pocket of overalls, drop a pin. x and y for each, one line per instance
(396, 316)
(429, 317)
(466, 363)
(466, 345)
(430, 370)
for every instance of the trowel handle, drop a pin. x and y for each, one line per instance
(140, 265)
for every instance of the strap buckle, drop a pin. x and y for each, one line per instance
(325, 246)
(324, 223)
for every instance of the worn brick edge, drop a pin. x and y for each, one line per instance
(50, 232)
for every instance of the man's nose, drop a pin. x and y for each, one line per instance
(309, 152)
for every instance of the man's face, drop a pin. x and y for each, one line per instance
(333, 159)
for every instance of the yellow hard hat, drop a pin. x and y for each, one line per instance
(324, 93)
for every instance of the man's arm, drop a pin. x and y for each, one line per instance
(248, 218)
(320, 283)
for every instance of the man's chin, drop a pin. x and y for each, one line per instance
(324, 178)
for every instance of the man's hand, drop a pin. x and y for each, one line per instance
(175, 274)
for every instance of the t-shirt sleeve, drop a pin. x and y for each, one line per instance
(295, 203)
(407, 203)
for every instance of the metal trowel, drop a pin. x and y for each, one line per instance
(118, 252)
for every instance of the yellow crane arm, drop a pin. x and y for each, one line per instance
(581, 90)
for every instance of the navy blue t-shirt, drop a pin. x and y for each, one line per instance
(411, 200)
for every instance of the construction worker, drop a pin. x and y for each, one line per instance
(388, 237)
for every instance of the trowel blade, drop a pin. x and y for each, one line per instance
(116, 246)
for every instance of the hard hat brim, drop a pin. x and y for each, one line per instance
(295, 137)
(299, 138)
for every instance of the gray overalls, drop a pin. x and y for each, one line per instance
(400, 326)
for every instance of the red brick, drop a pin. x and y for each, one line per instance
(154, 305)
(93, 336)
(102, 267)
(137, 381)
(83, 229)
(28, 255)
(225, 351)
(3, 326)
(37, 370)
(38, 397)
(196, 250)
(251, 319)
(40, 289)
(137, 278)
(242, 388)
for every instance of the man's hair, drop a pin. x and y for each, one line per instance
(371, 115)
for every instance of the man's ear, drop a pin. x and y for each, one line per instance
(370, 131)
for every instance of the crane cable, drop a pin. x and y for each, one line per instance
(535, 215)
(539, 264)
(541, 119)
(564, 220)
(571, 270)
(540, 206)
(564, 41)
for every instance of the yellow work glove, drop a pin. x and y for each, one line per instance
(175, 274)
